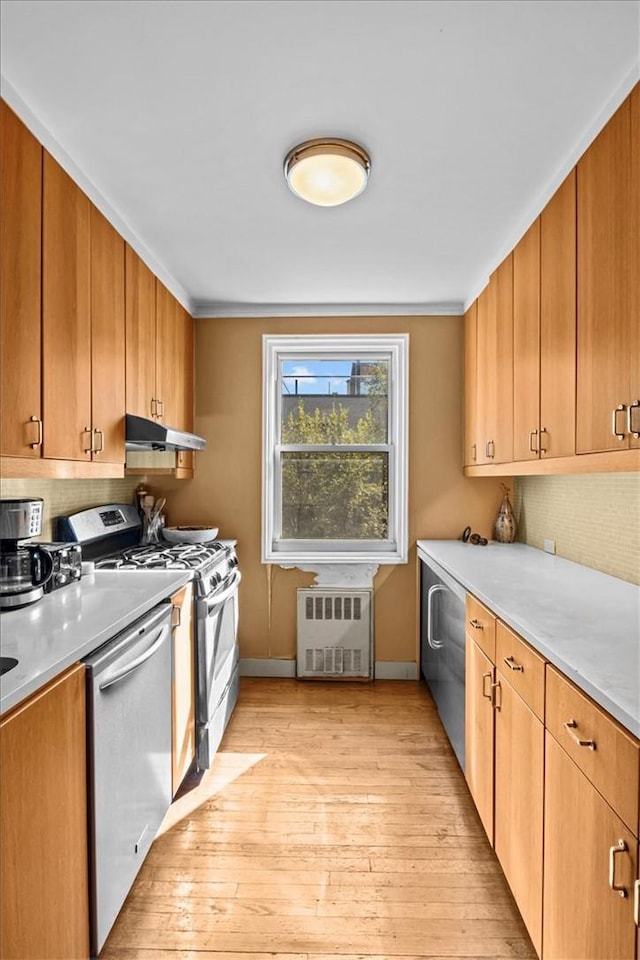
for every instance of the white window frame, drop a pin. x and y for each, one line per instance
(395, 349)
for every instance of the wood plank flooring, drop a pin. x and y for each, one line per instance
(334, 822)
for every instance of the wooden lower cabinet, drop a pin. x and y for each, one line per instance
(183, 724)
(519, 791)
(583, 917)
(43, 825)
(479, 731)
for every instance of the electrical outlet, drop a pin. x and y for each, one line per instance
(549, 546)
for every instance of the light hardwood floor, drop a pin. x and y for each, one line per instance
(334, 822)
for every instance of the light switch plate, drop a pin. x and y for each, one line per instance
(549, 546)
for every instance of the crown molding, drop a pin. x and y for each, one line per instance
(562, 172)
(213, 310)
(47, 139)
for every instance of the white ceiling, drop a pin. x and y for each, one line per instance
(175, 116)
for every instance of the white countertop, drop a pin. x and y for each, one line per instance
(584, 622)
(66, 625)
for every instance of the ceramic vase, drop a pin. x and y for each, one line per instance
(506, 526)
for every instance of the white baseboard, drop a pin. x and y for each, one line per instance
(267, 668)
(396, 670)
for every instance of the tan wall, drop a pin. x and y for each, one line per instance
(594, 519)
(63, 497)
(227, 488)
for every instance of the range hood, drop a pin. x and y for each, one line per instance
(143, 434)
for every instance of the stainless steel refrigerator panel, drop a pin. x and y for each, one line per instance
(442, 652)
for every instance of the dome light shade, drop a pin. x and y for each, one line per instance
(327, 171)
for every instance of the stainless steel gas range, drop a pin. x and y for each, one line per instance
(110, 536)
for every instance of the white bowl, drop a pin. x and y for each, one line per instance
(189, 534)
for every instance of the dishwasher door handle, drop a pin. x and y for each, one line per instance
(226, 593)
(138, 662)
(433, 642)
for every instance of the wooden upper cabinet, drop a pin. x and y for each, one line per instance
(168, 371)
(605, 282)
(495, 366)
(526, 345)
(186, 335)
(66, 317)
(20, 285)
(140, 313)
(558, 322)
(471, 385)
(107, 340)
(480, 401)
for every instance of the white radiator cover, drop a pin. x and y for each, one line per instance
(335, 633)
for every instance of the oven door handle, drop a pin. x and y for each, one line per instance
(130, 667)
(226, 593)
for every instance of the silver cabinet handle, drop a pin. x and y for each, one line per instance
(154, 407)
(474, 451)
(532, 448)
(636, 903)
(490, 449)
(161, 405)
(99, 449)
(476, 624)
(88, 430)
(487, 676)
(572, 725)
(176, 616)
(495, 689)
(619, 847)
(541, 448)
(633, 429)
(511, 663)
(135, 664)
(431, 639)
(38, 442)
(614, 421)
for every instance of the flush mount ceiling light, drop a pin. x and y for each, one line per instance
(327, 171)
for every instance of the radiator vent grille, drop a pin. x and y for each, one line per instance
(334, 633)
(333, 608)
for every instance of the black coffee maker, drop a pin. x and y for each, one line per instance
(25, 568)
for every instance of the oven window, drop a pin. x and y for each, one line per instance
(334, 469)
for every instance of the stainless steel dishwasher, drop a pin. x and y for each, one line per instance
(129, 769)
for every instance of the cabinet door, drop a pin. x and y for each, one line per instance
(605, 279)
(107, 339)
(20, 284)
(479, 728)
(186, 325)
(634, 353)
(485, 305)
(140, 319)
(519, 804)
(470, 385)
(583, 917)
(169, 370)
(43, 814)
(497, 369)
(558, 323)
(66, 317)
(526, 345)
(182, 688)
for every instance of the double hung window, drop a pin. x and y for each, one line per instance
(334, 457)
